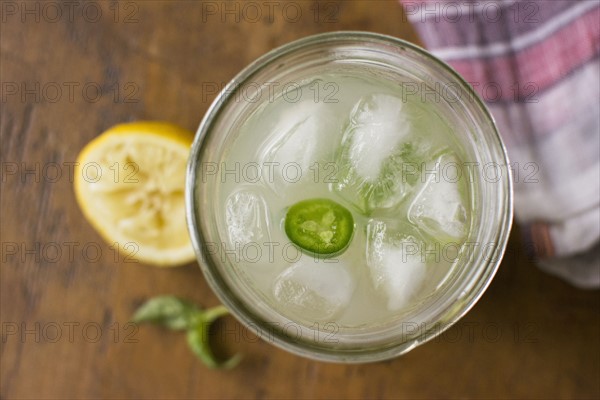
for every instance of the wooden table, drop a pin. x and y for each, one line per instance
(71, 70)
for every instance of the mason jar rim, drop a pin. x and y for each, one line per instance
(252, 321)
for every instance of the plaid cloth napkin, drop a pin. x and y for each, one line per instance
(536, 64)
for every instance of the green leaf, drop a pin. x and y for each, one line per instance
(197, 339)
(178, 314)
(213, 313)
(168, 311)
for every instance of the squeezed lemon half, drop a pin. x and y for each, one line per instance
(130, 184)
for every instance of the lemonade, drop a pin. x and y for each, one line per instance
(344, 216)
(380, 158)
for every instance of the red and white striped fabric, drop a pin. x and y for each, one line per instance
(536, 64)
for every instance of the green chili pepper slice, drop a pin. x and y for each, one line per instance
(319, 226)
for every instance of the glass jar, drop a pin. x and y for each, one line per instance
(420, 74)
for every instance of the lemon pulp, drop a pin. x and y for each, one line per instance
(130, 184)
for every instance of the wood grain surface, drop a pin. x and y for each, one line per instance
(70, 70)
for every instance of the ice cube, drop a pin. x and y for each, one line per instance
(377, 151)
(316, 290)
(301, 142)
(396, 262)
(247, 218)
(439, 208)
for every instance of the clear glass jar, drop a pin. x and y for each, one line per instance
(423, 75)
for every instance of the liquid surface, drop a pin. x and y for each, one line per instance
(392, 161)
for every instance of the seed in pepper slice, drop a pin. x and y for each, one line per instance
(319, 226)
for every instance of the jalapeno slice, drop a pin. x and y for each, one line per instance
(319, 226)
